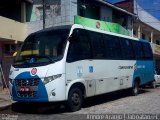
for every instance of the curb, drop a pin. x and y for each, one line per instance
(3, 107)
(5, 97)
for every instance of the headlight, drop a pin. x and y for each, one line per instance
(51, 78)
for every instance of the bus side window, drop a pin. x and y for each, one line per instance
(79, 48)
(112, 47)
(137, 46)
(127, 49)
(97, 45)
(147, 51)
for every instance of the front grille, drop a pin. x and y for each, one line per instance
(30, 94)
(27, 88)
(27, 82)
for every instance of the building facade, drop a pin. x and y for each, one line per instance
(12, 33)
(62, 12)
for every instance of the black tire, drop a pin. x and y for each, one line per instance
(75, 99)
(135, 89)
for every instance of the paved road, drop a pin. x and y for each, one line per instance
(147, 102)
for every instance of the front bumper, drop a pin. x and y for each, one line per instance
(18, 92)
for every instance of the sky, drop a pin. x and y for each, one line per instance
(151, 6)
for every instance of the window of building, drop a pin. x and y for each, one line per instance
(149, 39)
(134, 32)
(157, 42)
(82, 12)
(143, 36)
(51, 9)
(9, 49)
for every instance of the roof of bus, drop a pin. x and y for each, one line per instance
(54, 28)
(102, 31)
(107, 32)
(74, 26)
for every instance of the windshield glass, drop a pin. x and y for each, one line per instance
(42, 48)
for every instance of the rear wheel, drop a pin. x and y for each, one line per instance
(135, 89)
(75, 99)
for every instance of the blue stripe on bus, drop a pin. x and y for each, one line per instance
(145, 71)
(41, 92)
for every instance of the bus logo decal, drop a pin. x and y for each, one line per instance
(125, 67)
(34, 71)
(79, 71)
(32, 60)
(98, 24)
(90, 69)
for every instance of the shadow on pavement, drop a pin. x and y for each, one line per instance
(55, 108)
(100, 99)
(38, 108)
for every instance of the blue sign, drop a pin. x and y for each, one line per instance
(91, 69)
(32, 60)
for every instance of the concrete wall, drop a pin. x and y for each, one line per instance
(74, 10)
(68, 11)
(11, 29)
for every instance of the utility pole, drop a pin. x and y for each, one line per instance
(44, 14)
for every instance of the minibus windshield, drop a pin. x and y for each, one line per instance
(42, 48)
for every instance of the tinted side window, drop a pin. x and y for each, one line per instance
(147, 51)
(112, 47)
(97, 45)
(138, 50)
(79, 48)
(127, 49)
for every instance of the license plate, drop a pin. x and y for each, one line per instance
(24, 89)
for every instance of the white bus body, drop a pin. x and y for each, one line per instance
(59, 80)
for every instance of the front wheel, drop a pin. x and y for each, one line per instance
(75, 99)
(135, 89)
